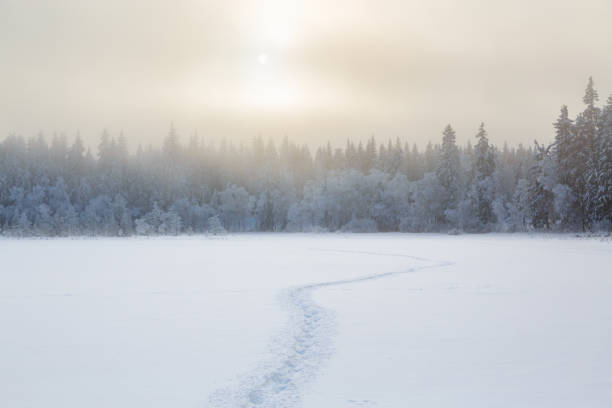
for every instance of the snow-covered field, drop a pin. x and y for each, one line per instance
(386, 320)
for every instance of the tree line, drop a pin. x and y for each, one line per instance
(61, 188)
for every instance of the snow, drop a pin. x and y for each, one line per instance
(298, 320)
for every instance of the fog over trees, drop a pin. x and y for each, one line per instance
(60, 188)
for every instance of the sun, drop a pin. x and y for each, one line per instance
(262, 58)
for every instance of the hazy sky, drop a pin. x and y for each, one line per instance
(312, 69)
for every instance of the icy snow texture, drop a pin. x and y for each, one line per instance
(195, 322)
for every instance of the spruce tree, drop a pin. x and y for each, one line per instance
(587, 157)
(484, 166)
(563, 147)
(540, 199)
(448, 171)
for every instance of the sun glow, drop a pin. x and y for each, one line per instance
(279, 35)
(262, 58)
(267, 78)
(270, 85)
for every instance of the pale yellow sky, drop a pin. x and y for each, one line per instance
(315, 70)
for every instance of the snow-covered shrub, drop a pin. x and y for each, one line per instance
(160, 222)
(143, 227)
(215, 227)
(170, 224)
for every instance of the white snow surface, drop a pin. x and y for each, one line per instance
(299, 320)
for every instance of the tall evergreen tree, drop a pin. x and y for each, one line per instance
(540, 199)
(448, 171)
(564, 147)
(485, 156)
(171, 146)
(586, 146)
(368, 155)
(484, 166)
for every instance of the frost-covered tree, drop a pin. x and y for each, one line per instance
(602, 201)
(233, 203)
(427, 208)
(564, 147)
(540, 198)
(586, 153)
(214, 226)
(449, 171)
(483, 189)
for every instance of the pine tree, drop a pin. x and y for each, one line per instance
(430, 162)
(586, 165)
(395, 153)
(415, 167)
(76, 157)
(540, 199)
(563, 147)
(485, 157)
(171, 147)
(103, 149)
(448, 171)
(484, 166)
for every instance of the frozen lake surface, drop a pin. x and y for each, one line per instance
(294, 320)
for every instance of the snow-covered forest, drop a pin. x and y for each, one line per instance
(62, 188)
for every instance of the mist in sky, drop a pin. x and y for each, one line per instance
(313, 70)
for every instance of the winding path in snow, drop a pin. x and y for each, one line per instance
(301, 349)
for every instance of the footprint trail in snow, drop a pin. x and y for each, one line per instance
(298, 353)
